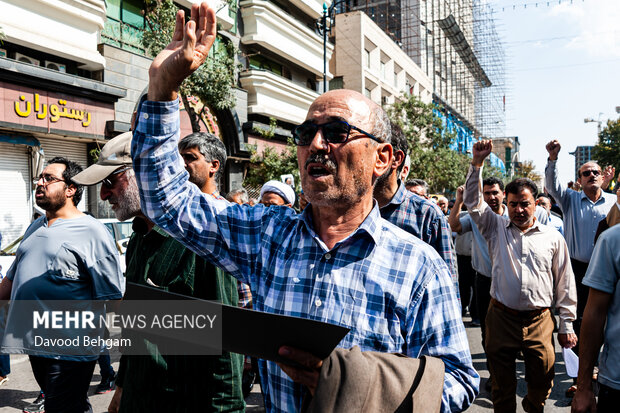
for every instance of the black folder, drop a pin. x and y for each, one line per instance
(255, 333)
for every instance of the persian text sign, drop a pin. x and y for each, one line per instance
(53, 111)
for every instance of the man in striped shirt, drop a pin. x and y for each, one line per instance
(337, 262)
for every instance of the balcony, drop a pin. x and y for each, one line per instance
(273, 29)
(273, 95)
(313, 8)
(67, 29)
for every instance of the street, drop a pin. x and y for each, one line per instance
(22, 388)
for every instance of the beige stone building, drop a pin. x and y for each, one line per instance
(369, 61)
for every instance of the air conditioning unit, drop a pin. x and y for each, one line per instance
(26, 59)
(2, 53)
(56, 66)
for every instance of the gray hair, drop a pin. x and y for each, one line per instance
(210, 146)
(417, 182)
(241, 192)
(382, 127)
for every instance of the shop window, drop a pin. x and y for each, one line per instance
(124, 25)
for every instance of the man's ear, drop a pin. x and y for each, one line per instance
(70, 190)
(384, 159)
(215, 166)
(399, 158)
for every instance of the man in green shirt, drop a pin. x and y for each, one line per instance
(159, 382)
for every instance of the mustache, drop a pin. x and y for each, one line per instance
(322, 159)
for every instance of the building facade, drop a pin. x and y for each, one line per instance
(52, 103)
(283, 65)
(582, 155)
(369, 61)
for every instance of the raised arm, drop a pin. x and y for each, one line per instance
(225, 234)
(453, 218)
(552, 183)
(479, 211)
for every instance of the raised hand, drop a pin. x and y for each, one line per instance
(459, 194)
(188, 49)
(608, 174)
(480, 151)
(553, 148)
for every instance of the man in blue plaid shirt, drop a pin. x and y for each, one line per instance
(416, 215)
(337, 262)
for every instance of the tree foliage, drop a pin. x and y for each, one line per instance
(213, 82)
(271, 163)
(607, 150)
(527, 169)
(432, 159)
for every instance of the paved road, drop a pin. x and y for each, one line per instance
(22, 387)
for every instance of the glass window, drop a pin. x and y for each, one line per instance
(132, 12)
(124, 25)
(261, 62)
(366, 58)
(113, 9)
(382, 70)
(367, 93)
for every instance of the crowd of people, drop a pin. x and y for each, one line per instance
(361, 246)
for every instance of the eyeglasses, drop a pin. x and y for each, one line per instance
(336, 131)
(47, 179)
(107, 182)
(594, 172)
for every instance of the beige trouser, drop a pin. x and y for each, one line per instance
(506, 334)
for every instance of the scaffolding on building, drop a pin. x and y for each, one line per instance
(456, 43)
(490, 102)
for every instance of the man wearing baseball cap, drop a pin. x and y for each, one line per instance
(206, 383)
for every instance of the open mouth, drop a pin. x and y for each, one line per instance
(318, 170)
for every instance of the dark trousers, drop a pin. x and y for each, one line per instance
(65, 383)
(467, 275)
(483, 298)
(579, 269)
(608, 399)
(105, 366)
(5, 365)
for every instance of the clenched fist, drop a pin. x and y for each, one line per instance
(553, 148)
(480, 151)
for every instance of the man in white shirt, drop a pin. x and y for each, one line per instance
(530, 272)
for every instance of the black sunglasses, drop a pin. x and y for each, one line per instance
(107, 182)
(336, 131)
(588, 172)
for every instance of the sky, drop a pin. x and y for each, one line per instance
(563, 65)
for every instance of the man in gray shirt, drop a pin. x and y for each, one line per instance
(65, 255)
